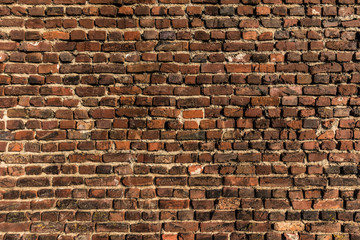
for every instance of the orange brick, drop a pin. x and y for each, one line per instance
(194, 10)
(132, 36)
(250, 35)
(122, 145)
(262, 10)
(155, 146)
(125, 11)
(193, 114)
(191, 125)
(56, 35)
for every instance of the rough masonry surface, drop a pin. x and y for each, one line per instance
(179, 119)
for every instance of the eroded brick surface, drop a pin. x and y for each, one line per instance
(179, 119)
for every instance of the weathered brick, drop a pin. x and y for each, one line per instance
(179, 119)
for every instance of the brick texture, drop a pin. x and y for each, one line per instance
(179, 120)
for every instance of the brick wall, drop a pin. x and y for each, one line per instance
(179, 119)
